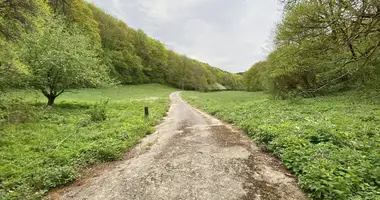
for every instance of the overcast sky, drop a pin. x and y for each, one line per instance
(229, 34)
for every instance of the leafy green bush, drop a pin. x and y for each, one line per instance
(98, 111)
(53, 176)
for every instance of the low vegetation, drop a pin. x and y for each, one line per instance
(331, 143)
(43, 148)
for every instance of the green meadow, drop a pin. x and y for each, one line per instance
(331, 143)
(42, 148)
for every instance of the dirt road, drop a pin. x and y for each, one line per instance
(191, 156)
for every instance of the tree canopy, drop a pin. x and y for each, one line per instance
(61, 59)
(322, 46)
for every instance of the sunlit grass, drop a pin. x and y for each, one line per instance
(43, 148)
(115, 94)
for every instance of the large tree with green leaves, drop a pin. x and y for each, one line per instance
(60, 59)
(324, 46)
(347, 32)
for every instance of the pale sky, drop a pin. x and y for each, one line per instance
(228, 34)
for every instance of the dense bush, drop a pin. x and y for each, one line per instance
(98, 112)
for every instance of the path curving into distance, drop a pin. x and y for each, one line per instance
(191, 156)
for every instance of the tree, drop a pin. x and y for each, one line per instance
(351, 30)
(60, 59)
(321, 46)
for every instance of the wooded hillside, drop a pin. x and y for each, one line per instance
(54, 45)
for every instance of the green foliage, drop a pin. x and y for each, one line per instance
(254, 78)
(12, 73)
(119, 53)
(135, 58)
(322, 47)
(56, 146)
(186, 73)
(17, 18)
(98, 112)
(79, 14)
(331, 143)
(20, 16)
(61, 59)
(85, 36)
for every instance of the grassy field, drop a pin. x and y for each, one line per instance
(44, 148)
(331, 143)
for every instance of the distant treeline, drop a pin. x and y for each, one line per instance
(35, 38)
(322, 46)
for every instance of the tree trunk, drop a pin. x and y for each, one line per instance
(51, 100)
(51, 95)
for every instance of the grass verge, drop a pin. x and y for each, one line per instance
(43, 148)
(331, 143)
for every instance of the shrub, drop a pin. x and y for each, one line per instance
(98, 112)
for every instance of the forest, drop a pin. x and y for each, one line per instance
(56, 45)
(321, 47)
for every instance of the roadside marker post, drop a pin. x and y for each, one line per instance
(146, 111)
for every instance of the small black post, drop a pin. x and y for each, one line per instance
(146, 111)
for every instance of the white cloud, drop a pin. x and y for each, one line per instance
(229, 34)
